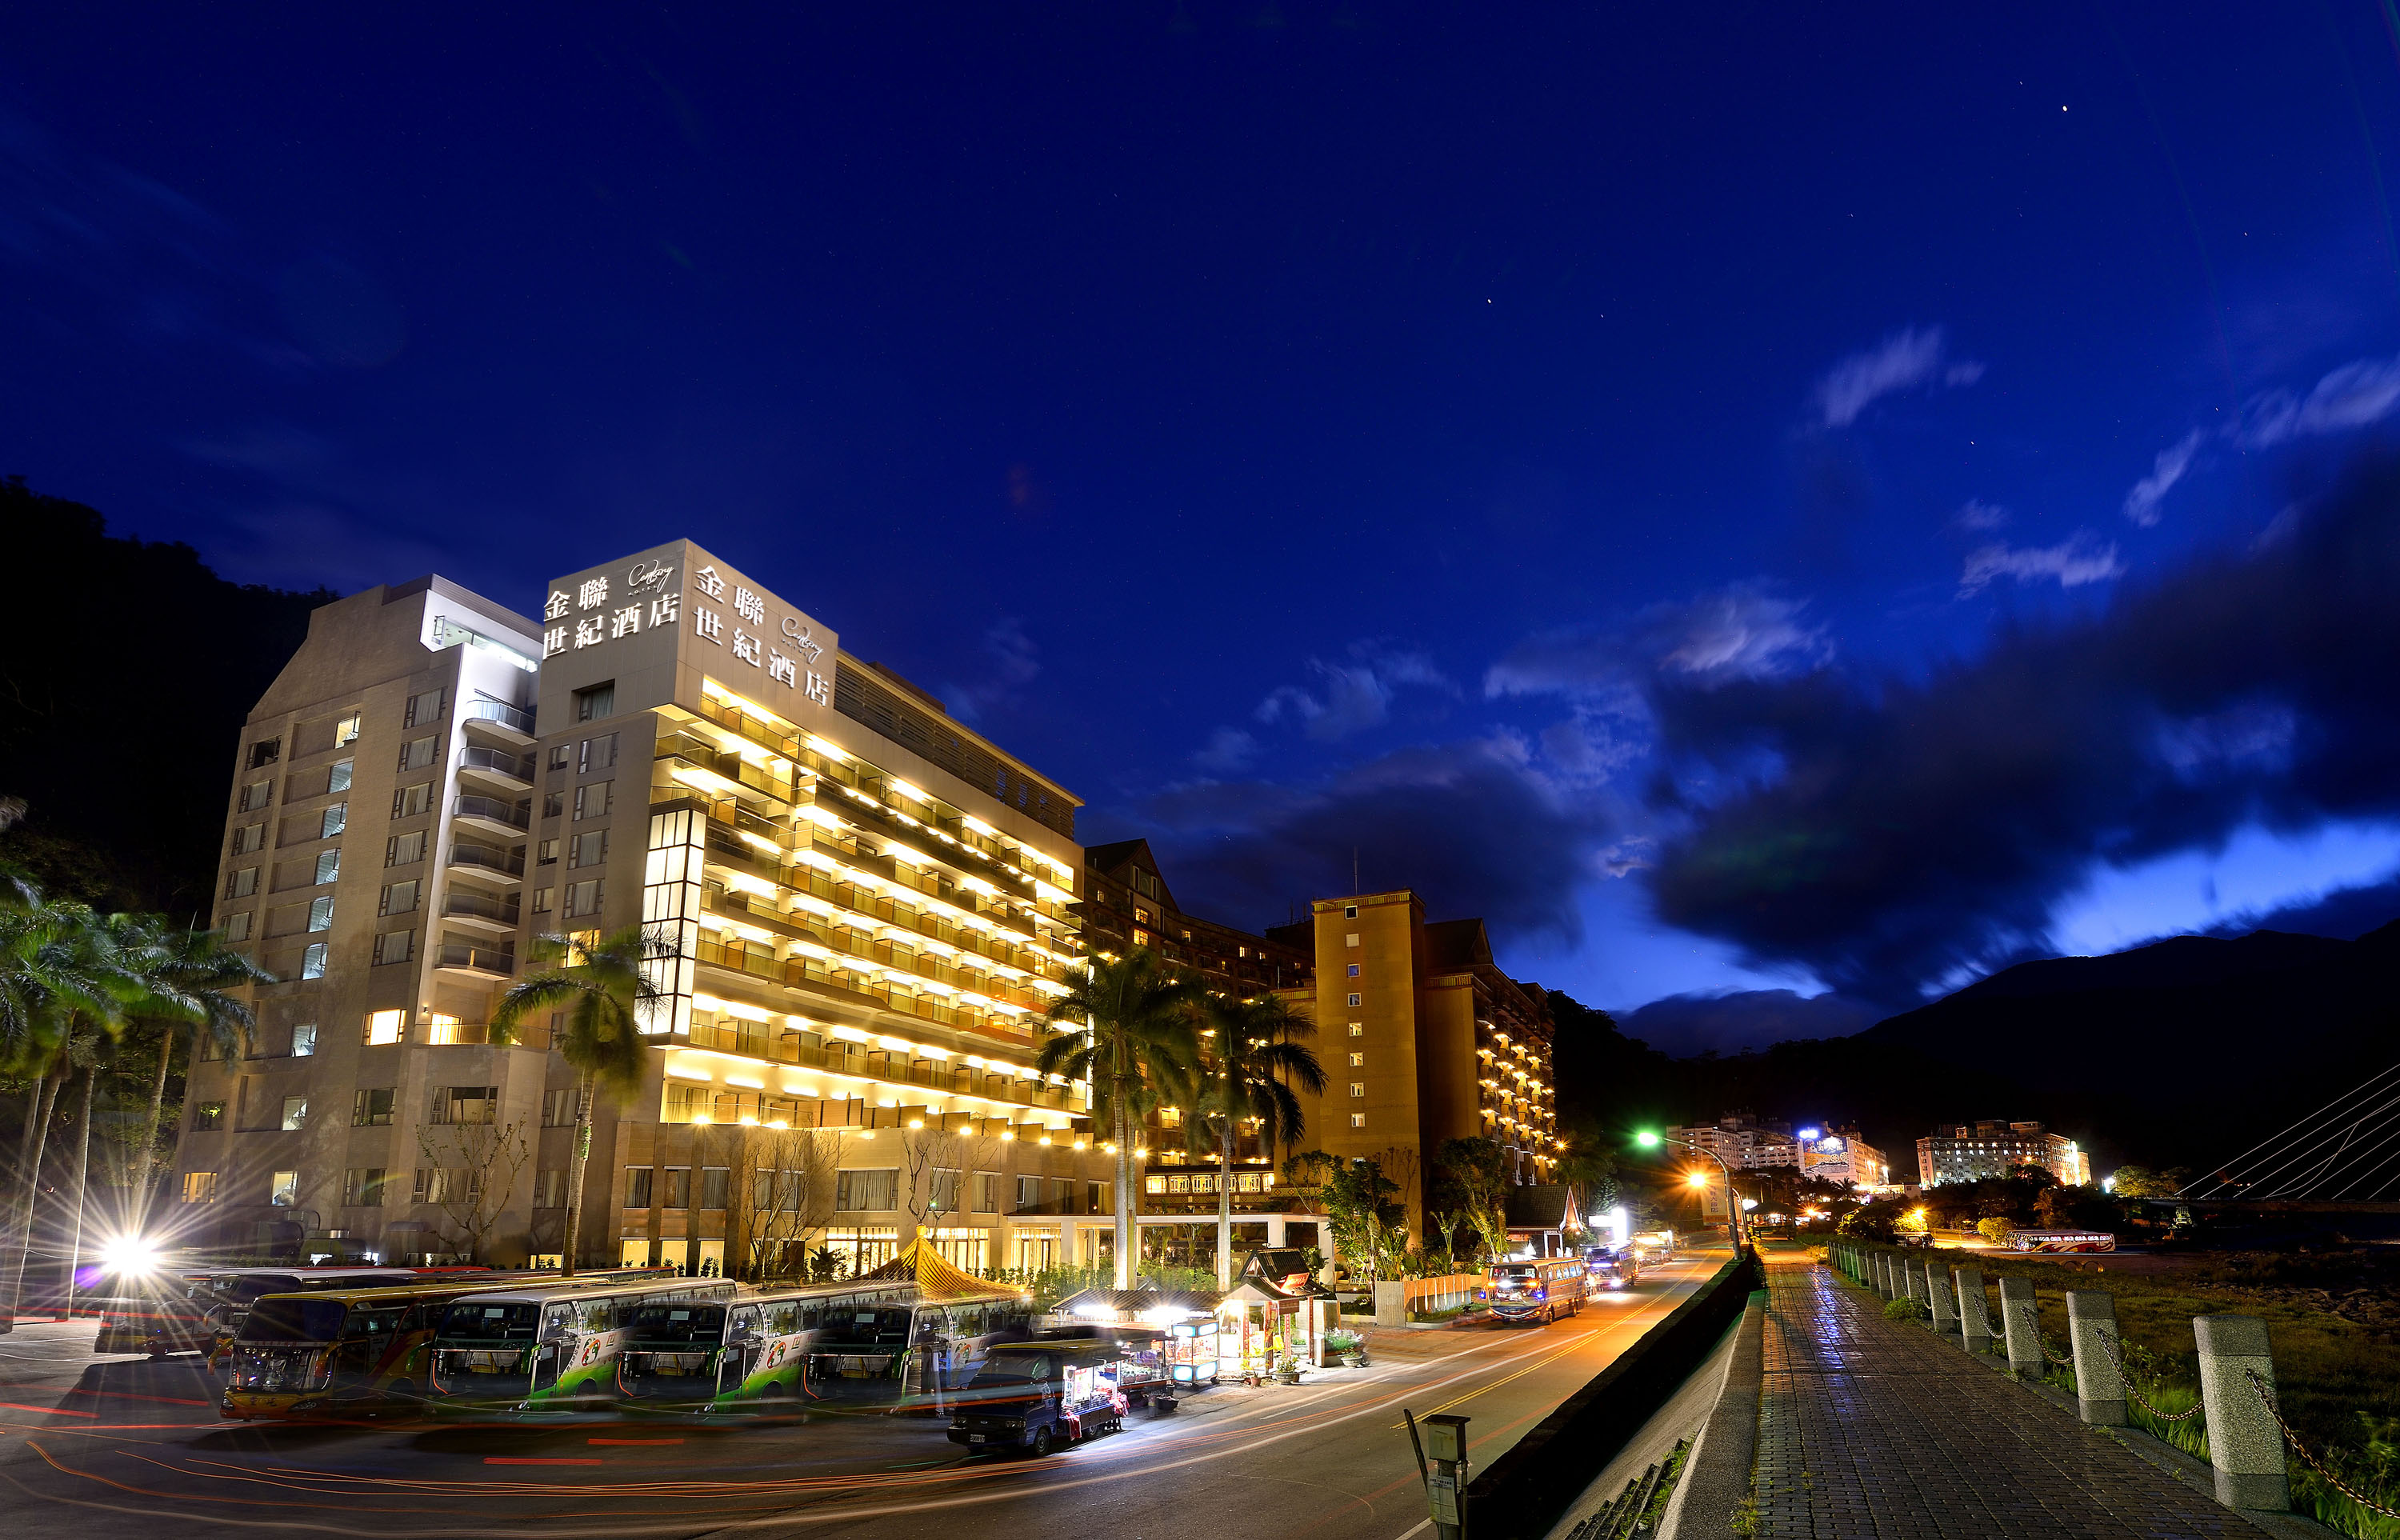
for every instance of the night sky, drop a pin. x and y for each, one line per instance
(1813, 503)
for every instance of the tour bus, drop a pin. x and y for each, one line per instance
(914, 1347)
(1611, 1267)
(212, 1304)
(1534, 1290)
(317, 1355)
(738, 1356)
(548, 1348)
(2063, 1240)
(1035, 1397)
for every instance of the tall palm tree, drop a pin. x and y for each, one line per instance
(188, 977)
(1127, 1029)
(604, 988)
(1256, 1055)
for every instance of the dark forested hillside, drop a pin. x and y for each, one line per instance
(125, 675)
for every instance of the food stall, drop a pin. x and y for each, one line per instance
(1166, 1339)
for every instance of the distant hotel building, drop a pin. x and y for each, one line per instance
(1423, 1039)
(870, 908)
(1971, 1152)
(1839, 1155)
(1743, 1142)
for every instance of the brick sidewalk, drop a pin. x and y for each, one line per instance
(1872, 1427)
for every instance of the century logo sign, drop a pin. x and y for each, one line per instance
(593, 615)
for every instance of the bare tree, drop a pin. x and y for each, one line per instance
(799, 1166)
(475, 1168)
(941, 1166)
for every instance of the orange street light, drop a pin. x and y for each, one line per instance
(1695, 1178)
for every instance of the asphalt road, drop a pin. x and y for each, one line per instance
(121, 1448)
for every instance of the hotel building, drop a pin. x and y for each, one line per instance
(1972, 1151)
(869, 909)
(1742, 1141)
(1423, 1039)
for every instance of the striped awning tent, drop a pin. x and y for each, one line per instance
(932, 1274)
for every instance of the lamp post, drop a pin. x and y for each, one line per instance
(1739, 1230)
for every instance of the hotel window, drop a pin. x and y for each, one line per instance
(329, 864)
(1140, 915)
(395, 946)
(304, 1040)
(1096, 1197)
(1357, 1061)
(237, 926)
(550, 1188)
(1357, 1028)
(256, 794)
(399, 898)
(409, 801)
(425, 707)
(1351, 939)
(595, 702)
(320, 913)
(1028, 1194)
(561, 755)
(296, 1114)
(541, 899)
(263, 753)
(243, 884)
(385, 1026)
(363, 1187)
(199, 1186)
(638, 1187)
(714, 1180)
(417, 753)
(678, 1193)
(338, 777)
(865, 1191)
(1350, 911)
(1358, 1087)
(312, 961)
(588, 850)
(371, 1109)
(347, 730)
(558, 1108)
(249, 838)
(583, 898)
(466, 1105)
(591, 801)
(1354, 970)
(207, 1117)
(1358, 1120)
(1354, 1002)
(552, 803)
(405, 849)
(1142, 939)
(597, 753)
(284, 1190)
(987, 1193)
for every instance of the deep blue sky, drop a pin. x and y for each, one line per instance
(1607, 470)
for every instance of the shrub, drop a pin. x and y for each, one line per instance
(1902, 1309)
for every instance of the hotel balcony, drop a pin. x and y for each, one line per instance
(507, 723)
(480, 911)
(489, 863)
(490, 815)
(488, 964)
(501, 767)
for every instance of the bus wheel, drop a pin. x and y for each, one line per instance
(1041, 1443)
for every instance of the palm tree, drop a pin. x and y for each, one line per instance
(187, 977)
(1257, 1057)
(604, 986)
(1129, 1034)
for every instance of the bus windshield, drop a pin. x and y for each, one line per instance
(1012, 1369)
(471, 1320)
(1513, 1272)
(680, 1323)
(249, 1290)
(285, 1319)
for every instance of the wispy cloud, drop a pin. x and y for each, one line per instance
(2082, 558)
(2142, 502)
(1913, 359)
(2362, 391)
(1015, 661)
(1229, 750)
(1974, 513)
(1351, 697)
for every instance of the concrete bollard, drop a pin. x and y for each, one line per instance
(1974, 1310)
(1916, 1289)
(2092, 1333)
(1883, 1274)
(2021, 1324)
(1937, 1295)
(2245, 1447)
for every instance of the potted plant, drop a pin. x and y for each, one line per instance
(1348, 1346)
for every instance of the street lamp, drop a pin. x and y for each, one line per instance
(1649, 1140)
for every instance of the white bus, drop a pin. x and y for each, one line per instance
(545, 1348)
(2063, 1240)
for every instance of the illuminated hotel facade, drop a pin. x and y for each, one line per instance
(869, 909)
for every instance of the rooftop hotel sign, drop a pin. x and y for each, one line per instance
(657, 621)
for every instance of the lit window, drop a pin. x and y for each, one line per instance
(347, 730)
(1357, 1061)
(338, 777)
(285, 1189)
(1354, 970)
(304, 1040)
(1351, 939)
(385, 1026)
(320, 913)
(199, 1186)
(329, 864)
(296, 1114)
(335, 818)
(312, 961)
(1358, 1087)
(1358, 1120)
(1357, 1028)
